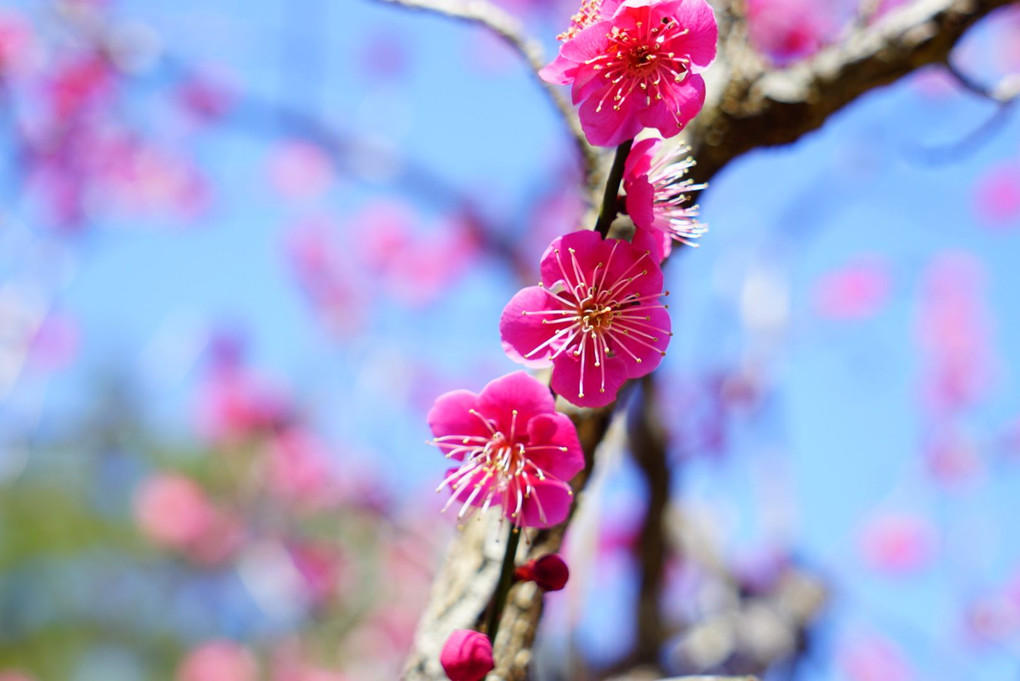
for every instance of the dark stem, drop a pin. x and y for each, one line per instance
(506, 580)
(611, 198)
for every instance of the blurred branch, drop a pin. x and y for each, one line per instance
(749, 105)
(648, 447)
(505, 25)
(1005, 91)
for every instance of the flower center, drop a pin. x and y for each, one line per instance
(595, 317)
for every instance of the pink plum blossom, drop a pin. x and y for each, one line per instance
(172, 510)
(15, 676)
(997, 196)
(596, 316)
(636, 69)
(467, 656)
(853, 292)
(515, 450)
(219, 660)
(300, 171)
(787, 30)
(657, 192)
(872, 657)
(898, 543)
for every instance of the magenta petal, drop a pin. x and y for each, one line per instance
(641, 201)
(547, 431)
(524, 333)
(606, 126)
(547, 505)
(451, 415)
(566, 381)
(685, 102)
(556, 267)
(654, 240)
(517, 391)
(700, 42)
(559, 71)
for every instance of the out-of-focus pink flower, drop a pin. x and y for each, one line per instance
(300, 171)
(323, 570)
(787, 30)
(467, 656)
(172, 510)
(953, 331)
(549, 573)
(55, 343)
(636, 69)
(997, 196)
(596, 316)
(78, 84)
(898, 543)
(204, 99)
(219, 660)
(515, 449)
(871, 657)
(15, 40)
(414, 266)
(299, 469)
(658, 193)
(234, 405)
(15, 676)
(325, 273)
(952, 459)
(853, 292)
(990, 620)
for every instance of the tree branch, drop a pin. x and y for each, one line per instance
(749, 105)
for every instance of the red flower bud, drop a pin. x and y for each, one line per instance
(549, 572)
(467, 656)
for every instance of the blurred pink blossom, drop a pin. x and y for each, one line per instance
(787, 30)
(898, 543)
(234, 405)
(15, 676)
(325, 272)
(219, 660)
(299, 470)
(300, 171)
(953, 332)
(55, 343)
(872, 657)
(996, 196)
(951, 458)
(15, 41)
(853, 292)
(172, 510)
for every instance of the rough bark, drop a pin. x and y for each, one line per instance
(750, 104)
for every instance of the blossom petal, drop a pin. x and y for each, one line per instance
(523, 333)
(518, 392)
(555, 430)
(451, 415)
(566, 380)
(547, 505)
(700, 41)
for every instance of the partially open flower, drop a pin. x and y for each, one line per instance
(549, 573)
(467, 656)
(658, 194)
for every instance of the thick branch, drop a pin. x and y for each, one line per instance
(753, 105)
(750, 104)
